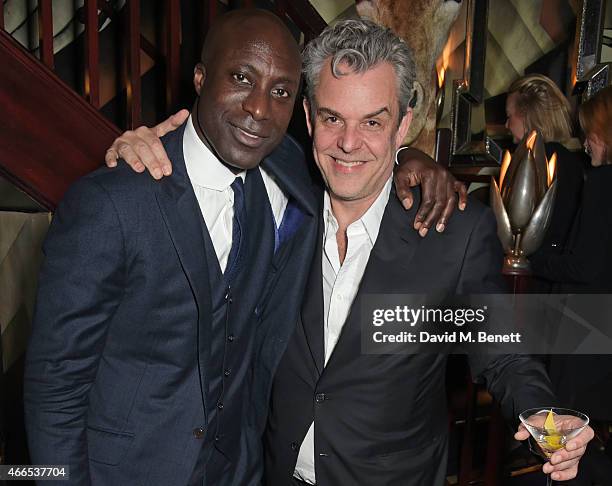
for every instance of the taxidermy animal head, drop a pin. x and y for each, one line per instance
(424, 25)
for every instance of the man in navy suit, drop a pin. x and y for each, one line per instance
(161, 305)
(140, 364)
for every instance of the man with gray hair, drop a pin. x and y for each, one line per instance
(337, 416)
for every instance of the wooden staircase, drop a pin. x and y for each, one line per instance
(49, 135)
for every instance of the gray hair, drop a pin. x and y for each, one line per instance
(361, 44)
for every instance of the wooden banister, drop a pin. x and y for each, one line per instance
(303, 15)
(134, 92)
(149, 49)
(49, 135)
(92, 53)
(173, 53)
(45, 32)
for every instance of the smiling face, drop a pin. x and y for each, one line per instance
(247, 85)
(356, 128)
(515, 122)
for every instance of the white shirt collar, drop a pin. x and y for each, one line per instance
(370, 220)
(203, 167)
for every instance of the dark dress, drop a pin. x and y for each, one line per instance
(585, 382)
(586, 265)
(570, 176)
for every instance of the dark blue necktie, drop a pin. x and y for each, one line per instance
(234, 260)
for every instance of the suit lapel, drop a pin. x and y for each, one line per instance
(299, 213)
(183, 218)
(312, 313)
(287, 166)
(396, 236)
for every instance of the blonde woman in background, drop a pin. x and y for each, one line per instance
(534, 102)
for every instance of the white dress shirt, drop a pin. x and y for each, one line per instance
(340, 285)
(211, 181)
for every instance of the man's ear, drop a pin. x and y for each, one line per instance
(402, 130)
(199, 75)
(307, 108)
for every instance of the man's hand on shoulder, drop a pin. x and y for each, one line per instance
(142, 148)
(440, 191)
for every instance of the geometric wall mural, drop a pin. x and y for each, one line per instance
(21, 238)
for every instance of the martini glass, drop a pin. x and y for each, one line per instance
(551, 428)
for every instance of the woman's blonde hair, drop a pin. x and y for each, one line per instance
(595, 117)
(543, 107)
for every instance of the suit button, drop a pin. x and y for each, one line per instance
(320, 397)
(230, 338)
(294, 446)
(220, 405)
(217, 438)
(227, 372)
(198, 432)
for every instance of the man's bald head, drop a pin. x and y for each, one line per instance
(247, 83)
(248, 24)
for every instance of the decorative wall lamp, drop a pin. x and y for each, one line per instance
(522, 201)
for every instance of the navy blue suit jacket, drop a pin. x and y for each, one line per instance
(116, 365)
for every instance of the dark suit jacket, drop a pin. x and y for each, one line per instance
(116, 375)
(381, 419)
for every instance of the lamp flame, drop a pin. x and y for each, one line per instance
(441, 73)
(552, 166)
(504, 167)
(531, 140)
(443, 61)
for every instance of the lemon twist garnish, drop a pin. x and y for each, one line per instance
(553, 439)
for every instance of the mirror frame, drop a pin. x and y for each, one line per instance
(469, 92)
(588, 73)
